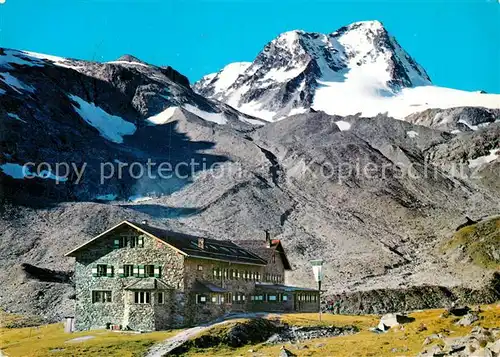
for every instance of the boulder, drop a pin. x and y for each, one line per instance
(467, 320)
(494, 347)
(433, 351)
(390, 320)
(483, 352)
(459, 311)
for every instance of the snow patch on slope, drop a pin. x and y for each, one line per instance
(481, 160)
(218, 118)
(108, 197)
(111, 127)
(16, 117)
(139, 198)
(15, 83)
(128, 63)
(32, 59)
(162, 117)
(343, 125)
(344, 99)
(21, 172)
(229, 74)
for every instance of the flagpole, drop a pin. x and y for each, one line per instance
(319, 298)
(317, 266)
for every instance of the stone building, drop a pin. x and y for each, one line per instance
(144, 278)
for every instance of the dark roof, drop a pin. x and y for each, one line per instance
(260, 248)
(214, 249)
(206, 287)
(265, 287)
(188, 245)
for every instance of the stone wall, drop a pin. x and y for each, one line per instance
(122, 310)
(198, 313)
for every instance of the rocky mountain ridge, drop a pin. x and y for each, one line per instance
(298, 178)
(360, 68)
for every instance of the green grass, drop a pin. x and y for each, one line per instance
(51, 340)
(479, 241)
(407, 341)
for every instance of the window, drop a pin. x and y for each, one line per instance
(102, 270)
(274, 258)
(136, 241)
(284, 297)
(217, 299)
(201, 299)
(239, 297)
(128, 270)
(149, 271)
(200, 267)
(225, 273)
(103, 296)
(142, 297)
(272, 298)
(228, 297)
(120, 242)
(161, 298)
(234, 274)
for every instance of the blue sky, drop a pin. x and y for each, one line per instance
(458, 42)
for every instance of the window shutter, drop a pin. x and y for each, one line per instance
(109, 271)
(157, 271)
(94, 271)
(141, 271)
(121, 271)
(116, 243)
(140, 241)
(136, 270)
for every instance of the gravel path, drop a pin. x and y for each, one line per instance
(169, 344)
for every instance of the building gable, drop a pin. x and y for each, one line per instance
(122, 227)
(187, 245)
(279, 251)
(267, 250)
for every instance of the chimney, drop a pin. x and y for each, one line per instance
(268, 238)
(144, 221)
(201, 243)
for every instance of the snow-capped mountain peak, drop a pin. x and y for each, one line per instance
(224, 78)
(357, 68)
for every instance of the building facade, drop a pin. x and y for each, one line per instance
(140, 277)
